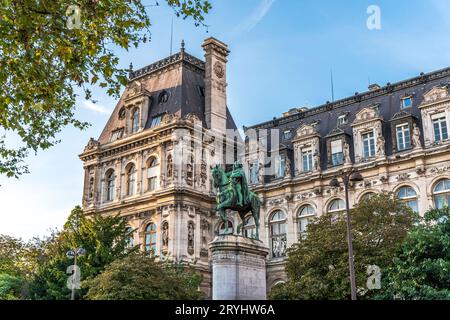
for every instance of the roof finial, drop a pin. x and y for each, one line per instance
(182, 45)
(130, 70)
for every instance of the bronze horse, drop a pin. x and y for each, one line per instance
(227, 198)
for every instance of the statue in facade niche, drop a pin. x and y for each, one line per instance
(169, 167)
(317, 160)
(287, 169)
(203, 175)
(416, 137)
(165, 235)
(347, 158)
(380, 143)
(233, 194)
(190, 236)
(205, 228)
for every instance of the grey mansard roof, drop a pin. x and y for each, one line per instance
(388, 99)
(182, 76)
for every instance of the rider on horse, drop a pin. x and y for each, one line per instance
(239, 180)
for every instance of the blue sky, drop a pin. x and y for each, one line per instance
(282, 52)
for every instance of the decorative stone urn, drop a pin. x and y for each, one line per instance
(238, 268)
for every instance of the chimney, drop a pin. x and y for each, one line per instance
(216, 53)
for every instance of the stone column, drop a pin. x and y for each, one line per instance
(238, 268)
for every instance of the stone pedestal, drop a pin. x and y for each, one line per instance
(238, 268)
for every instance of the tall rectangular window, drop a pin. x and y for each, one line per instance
(368, 144)
(152, 183)
(307, 160)
(337, 154)
(279, 166)
(440, 128)
(403, 137)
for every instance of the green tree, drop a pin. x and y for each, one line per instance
(317, 266)
(11, 287)
(103, 238)
(139, 277)
(421, 270)
(44, 57)
(18, 262)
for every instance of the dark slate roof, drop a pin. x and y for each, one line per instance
(185, 89)
(388, 99)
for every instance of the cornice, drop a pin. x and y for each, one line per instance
(180, 57)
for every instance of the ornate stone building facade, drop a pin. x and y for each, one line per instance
(151, 164)
(152, 161)
(396, 136)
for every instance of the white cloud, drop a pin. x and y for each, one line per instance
(89, 105)
(255, 17)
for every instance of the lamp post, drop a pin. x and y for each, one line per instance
(73, 254)
(347, 177)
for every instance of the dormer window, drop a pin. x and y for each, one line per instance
(287, 134)
(156, 121)
(368, 145)
(279, 166)
(135, 121)
(315, 123)
(376, 107)
(403, 137)
(337, 152)
(342, 119)
(406, 103)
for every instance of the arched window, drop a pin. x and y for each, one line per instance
(152, 174)
(441, 194)
(250, 227)
(304, 217)
(131, 180)
(135, 121)
(150, 239)
(130, 238)
(409, 196)
(336, 207)
(110, 185)
(367, 196)
(222, 228)
(278, 238)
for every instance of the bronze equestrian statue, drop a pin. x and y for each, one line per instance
(233, 194)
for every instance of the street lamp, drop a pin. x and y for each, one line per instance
(73, 254)
(347, 177)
